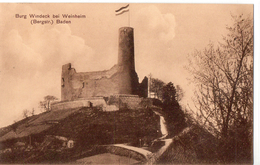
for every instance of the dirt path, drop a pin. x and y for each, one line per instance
(152, 157)
(106, 158)
(163, 126)
(142, 151)
(149, 156)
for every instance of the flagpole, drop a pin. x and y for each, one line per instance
(149, 85)
(123, 10)
(129, 17)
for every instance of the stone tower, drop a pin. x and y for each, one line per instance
(128, 79)
(120, 80)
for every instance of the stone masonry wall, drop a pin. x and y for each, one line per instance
(89, 84)
(120, 79)
(95, 101)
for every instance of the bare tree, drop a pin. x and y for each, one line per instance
(32, 112)
(46, 104)
(224, 79)
(26, 113)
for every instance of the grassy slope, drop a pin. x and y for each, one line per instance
(97, 127)
(88, 127)
(34, 124)
(195, 147)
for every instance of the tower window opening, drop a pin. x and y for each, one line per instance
(62, 82)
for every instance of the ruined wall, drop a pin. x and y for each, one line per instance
(120, 79)
(87, 84)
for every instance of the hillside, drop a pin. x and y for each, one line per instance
(195, 146)
(27, 140)
(125, 134)
(34, 124)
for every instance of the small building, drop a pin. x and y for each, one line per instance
(70, 144)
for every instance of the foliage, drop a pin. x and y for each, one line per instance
(156, 86)
(224, 79)
(175, 117)
(46, 103)
(169, 95)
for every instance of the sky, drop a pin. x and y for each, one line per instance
(31, 55)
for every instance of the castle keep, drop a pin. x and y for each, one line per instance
(120, 82)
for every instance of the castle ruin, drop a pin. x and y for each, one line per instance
(97, 88)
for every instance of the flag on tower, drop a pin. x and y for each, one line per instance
(122, 10)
